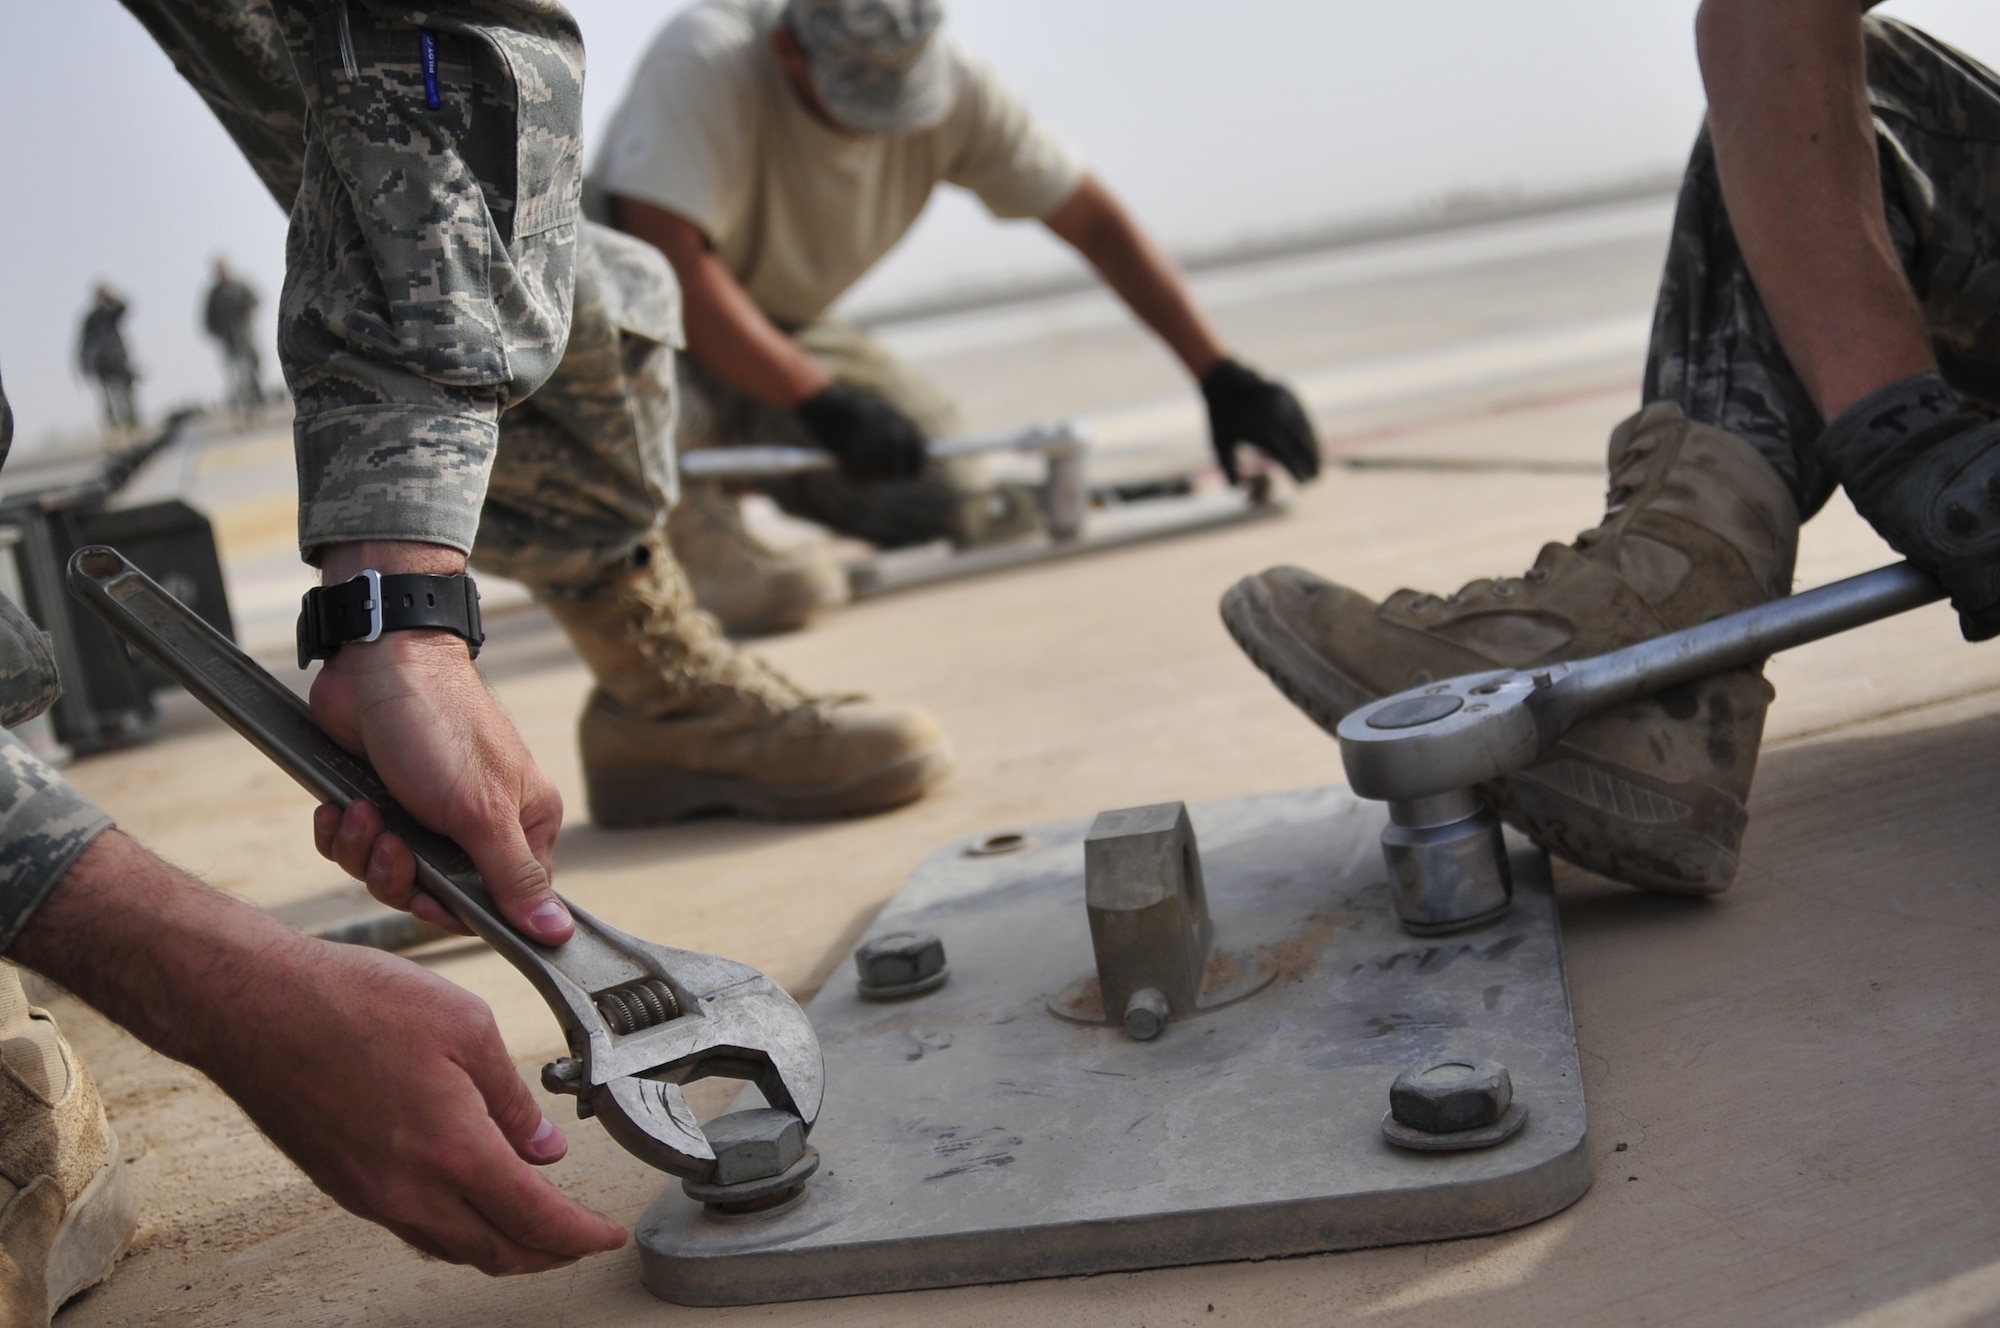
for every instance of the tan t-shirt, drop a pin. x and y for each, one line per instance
(712, 131)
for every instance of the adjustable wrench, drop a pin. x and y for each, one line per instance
(1424, 751)
(640, 1019)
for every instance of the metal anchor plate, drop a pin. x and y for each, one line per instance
(972, 1136)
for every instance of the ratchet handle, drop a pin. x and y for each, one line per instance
(1459, 732)
(1749, 635)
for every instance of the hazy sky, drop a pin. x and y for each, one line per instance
(1216, 119)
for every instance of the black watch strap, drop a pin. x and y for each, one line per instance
(371, 604)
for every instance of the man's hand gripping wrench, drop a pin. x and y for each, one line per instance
(1425, 751)
(640, 1019)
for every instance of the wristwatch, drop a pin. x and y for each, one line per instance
(370, 604)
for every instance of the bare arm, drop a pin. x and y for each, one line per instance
(727, 333)
(1096, 225)
(1795, 147)
(387, 1085)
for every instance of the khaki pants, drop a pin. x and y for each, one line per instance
(892, 514)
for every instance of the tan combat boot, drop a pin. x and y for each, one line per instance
(66, 1208)
(1696, 525)
(754, 589)
(684, 724)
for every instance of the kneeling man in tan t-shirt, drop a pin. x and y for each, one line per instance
(775, 150)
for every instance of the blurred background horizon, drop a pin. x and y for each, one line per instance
(1222, 126)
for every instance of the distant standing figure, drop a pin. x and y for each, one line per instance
(227, 315)
(101, 354)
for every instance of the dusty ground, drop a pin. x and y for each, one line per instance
(1788, 1086)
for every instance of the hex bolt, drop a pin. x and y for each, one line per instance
(1146, 1013)
(751, 1145)
(901, 963)
(762, 1164)
(1444, 1097)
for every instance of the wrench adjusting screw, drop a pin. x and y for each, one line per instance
(899, 964)
(637, 1005)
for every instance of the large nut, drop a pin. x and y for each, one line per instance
(750, 1145)
(1443, 1097)
(902, 963)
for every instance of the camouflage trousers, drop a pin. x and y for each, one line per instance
(44, 823)
(915, 511)
(1714, 351)
(472, 366)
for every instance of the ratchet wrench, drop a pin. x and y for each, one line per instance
(640, 1019)
(1425, 751)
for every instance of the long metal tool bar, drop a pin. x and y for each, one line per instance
(640, 1019)
(1060, 442)
(1425, 751)
(1459, 732)
(763, 461)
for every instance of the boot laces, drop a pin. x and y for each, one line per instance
(689, 647)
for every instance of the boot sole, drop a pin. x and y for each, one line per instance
(622, 799)
(1301, 673)
(95, 1230)
(1596, 814)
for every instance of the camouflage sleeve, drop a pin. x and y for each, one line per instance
(44, 825)
(430, 260)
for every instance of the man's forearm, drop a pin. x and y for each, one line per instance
(727, 333)
(1795, 148)
(388, 1086)
(148, 945)
(1150, 283)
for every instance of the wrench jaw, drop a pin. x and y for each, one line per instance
(751, 1030)
(650, 1117)
(653, 1122)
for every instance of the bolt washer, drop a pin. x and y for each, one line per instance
(1456, 1141)
(899, 990)
(749, 1191)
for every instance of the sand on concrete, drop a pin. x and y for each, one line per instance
(1789, 1086)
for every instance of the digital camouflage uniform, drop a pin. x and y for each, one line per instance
(437, 276)
(417, 320)
(44, 823)
(1714, 351)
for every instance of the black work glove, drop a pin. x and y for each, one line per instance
(1925, 472)
(870, 438)
(1246, 407)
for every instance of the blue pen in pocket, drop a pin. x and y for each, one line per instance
(430, 48)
